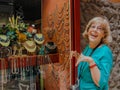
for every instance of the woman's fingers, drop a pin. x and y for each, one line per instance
(80, 59)
(83, 58)
(71, 54)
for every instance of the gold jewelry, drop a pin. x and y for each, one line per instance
(30, 46)
(51, 46)
(38, 38)
(4, 40)
(23, 85)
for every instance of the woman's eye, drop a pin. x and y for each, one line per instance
(92, 26)
(99, 28)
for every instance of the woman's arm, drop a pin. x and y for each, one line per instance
(95, 72)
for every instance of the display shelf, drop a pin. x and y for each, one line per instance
(25, 60)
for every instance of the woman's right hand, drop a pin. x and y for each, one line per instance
(79, 57)
(74, 54)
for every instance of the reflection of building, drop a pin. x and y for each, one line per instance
(6, 9)
(31, 9)
(6, 6)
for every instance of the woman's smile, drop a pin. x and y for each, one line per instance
(95, 33)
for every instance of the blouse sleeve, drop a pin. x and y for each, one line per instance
(103, 59)
(79, 66)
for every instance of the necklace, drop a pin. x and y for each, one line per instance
(27, 64)
(22, 70)
(30, 46)
(51, 45)
(23, 85)
(15, 69)
(39, 37)
(4, 39)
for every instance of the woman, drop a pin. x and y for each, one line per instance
(95, 62)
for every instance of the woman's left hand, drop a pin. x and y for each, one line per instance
(83, 58)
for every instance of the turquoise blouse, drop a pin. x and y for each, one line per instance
(103, 58)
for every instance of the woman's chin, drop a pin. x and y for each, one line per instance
(92, 39)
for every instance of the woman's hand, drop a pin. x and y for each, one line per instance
(83, 58)
(74, 54)
(80, 58)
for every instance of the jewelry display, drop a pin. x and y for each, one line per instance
(41, 50)
(5, 52)
(38, 38)
(22, 70)
(18, 68)
(4, 40)
(14, 50)
(9, 69)
(27, 68)
(31, 75)
(14, 68)
(23, 85)
(51, 45)
(30, 46)
(3, 71)
(50, 48)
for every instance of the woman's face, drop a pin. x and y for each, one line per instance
(95, 33)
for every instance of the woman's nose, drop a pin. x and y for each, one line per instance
(95, 28)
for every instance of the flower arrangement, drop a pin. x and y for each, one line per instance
(16, 30)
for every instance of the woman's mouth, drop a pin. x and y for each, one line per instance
(93, 36)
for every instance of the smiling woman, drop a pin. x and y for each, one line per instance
(95, 62)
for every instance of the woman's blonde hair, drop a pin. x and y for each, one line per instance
(105, 25)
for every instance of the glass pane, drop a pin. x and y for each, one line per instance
(19, 69)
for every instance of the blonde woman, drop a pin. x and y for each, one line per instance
(95, 62)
